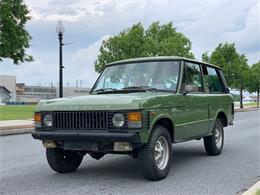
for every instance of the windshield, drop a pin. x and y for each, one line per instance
(157, 75)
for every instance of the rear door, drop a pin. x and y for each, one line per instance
(196, 101)
(218, 97)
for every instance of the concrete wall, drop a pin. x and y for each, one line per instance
(73, 91)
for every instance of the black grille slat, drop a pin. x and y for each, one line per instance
(80, 120)
(84, 121)
(64, 119)
(96, 119)
(72, 120)
(87, 120)
(67, 123)
(60, 121)
(92, 121)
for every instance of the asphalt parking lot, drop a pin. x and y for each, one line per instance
(24, 169)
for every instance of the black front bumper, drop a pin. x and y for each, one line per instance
(132, 137)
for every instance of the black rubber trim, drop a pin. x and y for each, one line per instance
(86, 136)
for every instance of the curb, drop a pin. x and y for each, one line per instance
(245, 109)
(15, 131)
(253, 190)
(13, 127)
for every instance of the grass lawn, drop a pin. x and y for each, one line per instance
(16, 112)
(251, 104)
(246, 104)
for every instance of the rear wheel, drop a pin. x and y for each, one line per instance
(214, 144)
(63, 161)
(156, 156)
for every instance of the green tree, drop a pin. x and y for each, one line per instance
(205, 57)
(14, 39)
(254, 85)
(242, 79)
(234, 65)
(157, 40)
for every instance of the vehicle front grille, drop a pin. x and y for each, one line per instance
(89, 120)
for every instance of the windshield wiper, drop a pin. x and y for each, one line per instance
(143, 88)
(104, 90)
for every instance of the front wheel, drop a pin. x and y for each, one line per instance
(214, 144)
(156, 156)
(63, 161)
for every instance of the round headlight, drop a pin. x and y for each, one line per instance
(118, 120)
(47, 120)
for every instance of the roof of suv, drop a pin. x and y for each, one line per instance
(159, 58)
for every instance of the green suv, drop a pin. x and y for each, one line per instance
(138, 107)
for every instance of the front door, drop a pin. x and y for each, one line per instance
(196, 101)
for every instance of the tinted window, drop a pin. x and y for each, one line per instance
(213, 83)
(192, 77)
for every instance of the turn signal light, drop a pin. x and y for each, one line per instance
(134, 120)
(37, 120)
(37, 117)
(134, 116)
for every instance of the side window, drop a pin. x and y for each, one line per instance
(192, 77)
(213, 83)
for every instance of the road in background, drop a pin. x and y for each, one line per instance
(24, 169)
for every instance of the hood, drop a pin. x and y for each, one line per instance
(98, 102)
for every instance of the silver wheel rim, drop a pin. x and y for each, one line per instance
(218, 137)
(161, 152)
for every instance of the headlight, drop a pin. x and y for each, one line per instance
(118, 120)
(47, 120)
(134, 120)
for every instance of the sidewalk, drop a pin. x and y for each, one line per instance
(253, 190)
(245, 109)
(9, 127)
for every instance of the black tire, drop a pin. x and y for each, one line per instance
(212, 146)
(147, 155)
(63, 161)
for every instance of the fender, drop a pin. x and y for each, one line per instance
(219, 111)
(158, 117)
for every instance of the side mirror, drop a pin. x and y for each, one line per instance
(189, 88)
(227, 90)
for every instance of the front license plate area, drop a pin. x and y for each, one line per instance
(73, 145)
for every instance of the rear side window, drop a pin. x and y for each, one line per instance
(221, 75)
(213, 83)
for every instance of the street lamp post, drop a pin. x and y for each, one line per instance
(60, 30)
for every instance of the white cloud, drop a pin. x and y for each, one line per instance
(222, 21)
(248, 38)
(38, 72)
(206, 23)
(44, 70)
(74, 11)
(81, 64)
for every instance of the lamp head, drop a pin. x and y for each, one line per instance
(60, 29)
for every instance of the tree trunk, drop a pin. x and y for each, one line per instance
(241, 94)
(258, 90)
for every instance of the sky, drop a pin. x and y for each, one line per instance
(87, 23)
